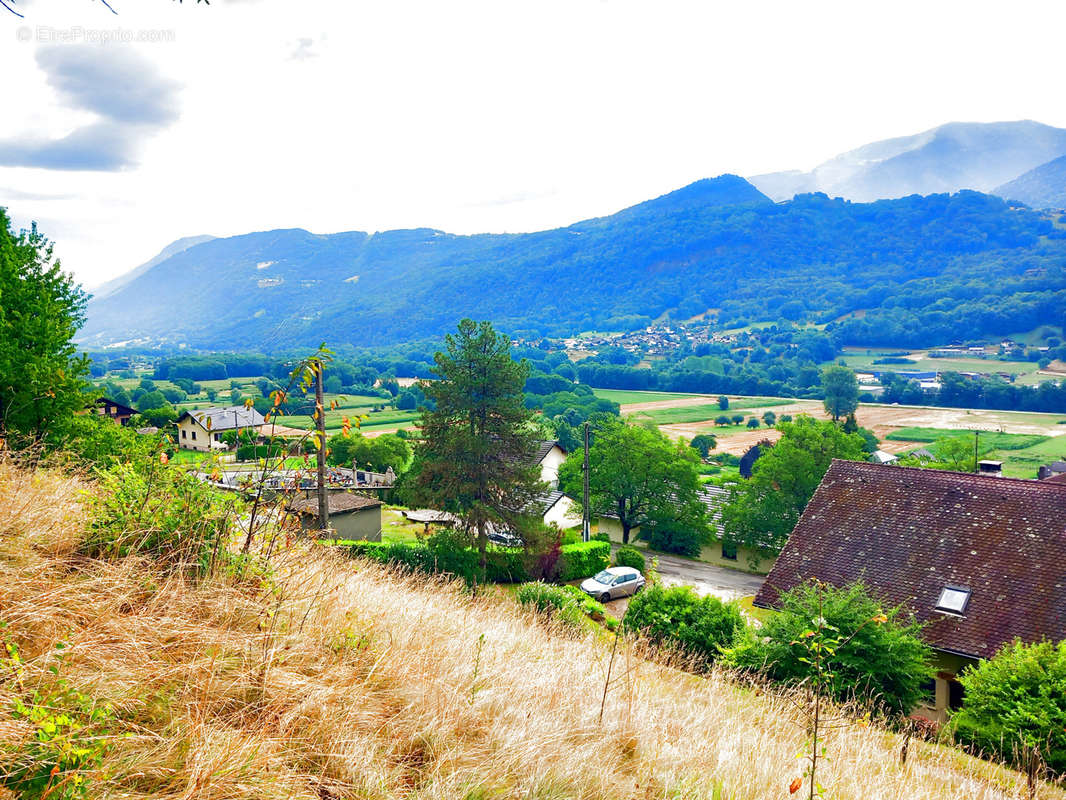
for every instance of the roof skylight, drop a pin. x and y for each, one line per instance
(953, 600)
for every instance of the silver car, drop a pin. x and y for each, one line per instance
(612, 583)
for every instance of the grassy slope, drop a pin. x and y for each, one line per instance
(348, 681)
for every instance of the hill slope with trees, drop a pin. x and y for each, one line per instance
(939, 267)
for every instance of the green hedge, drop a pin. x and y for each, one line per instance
(250, 452)
(627, 556)
(583, 559)
(503, 565)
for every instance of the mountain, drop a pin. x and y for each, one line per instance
(1043, 187)
(968, 263)
(110, 287)
(958, 155)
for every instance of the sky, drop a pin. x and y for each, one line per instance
(123, 132)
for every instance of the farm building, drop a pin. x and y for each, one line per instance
(351, 516)
(978, 560)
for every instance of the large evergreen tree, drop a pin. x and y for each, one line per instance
(42, 377)
(476, 455)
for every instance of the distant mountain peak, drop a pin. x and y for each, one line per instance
(947, 158)
(177, 246)
(1040, 187)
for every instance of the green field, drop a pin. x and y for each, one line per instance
(993, 439)
(625, 397)
(1021, 454)
(706, 413)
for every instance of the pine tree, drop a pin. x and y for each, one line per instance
(476, 454)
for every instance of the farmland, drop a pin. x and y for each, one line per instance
(1021, 440)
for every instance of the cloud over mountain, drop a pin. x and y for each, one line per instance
(130, 97)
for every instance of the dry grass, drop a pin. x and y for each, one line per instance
(342, 680)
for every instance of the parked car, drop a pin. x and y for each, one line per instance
(505, 538)
(612, 583)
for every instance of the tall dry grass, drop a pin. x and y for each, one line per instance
(342, 680)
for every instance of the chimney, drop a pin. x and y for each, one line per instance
(993, 469)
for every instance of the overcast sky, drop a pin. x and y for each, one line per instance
(338, 115)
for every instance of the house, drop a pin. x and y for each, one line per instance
(351, 516)
(106, 407)
(1052, 470)
(203, 429)
(881, 457)
(556, 508)
(721, 551)
(978, 560)
(549, 457)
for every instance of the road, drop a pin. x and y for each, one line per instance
(728, 584)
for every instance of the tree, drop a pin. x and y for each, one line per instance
(737, 419)
(721, 419)
(841, 390)
(704, 444)
(638, 476)
(955, 453)
(762, 511)
(883, 666)
(723, 403)
(42, 378)
(475, 457)
(1016, 701)
(770, 418)
(753, 422)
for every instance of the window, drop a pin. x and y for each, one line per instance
(953, 600)
(183, 432)
(956, 694)
(194, 435)
(218, 437)
(729, 550)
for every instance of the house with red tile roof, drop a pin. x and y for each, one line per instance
(978, 560)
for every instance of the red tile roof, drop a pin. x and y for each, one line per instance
(908, 533)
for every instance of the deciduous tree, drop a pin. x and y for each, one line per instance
(841, 391)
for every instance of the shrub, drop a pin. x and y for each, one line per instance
(153, 509)
(99, 441)
(583, 559)
(629, 557)
(673, 537)
(1015, 700)
(602, 536)
(699, 625)
(250, 452)
(446, 552)
(553, 601)
(884, 665)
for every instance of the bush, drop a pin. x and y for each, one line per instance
(1017, 699)
(629, 557)
(674, 538)
(446, 552)
(583, 559)
(701, 626)
(568, 604)
(147, 508)
(251, 452)
(883, 667)
(601, 537)
(99, 441)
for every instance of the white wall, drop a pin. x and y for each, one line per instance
(549, 467)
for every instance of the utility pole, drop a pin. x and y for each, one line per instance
(586, 533)
(976, 433)
(320, 427)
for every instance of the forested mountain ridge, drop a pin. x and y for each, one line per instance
(948, 158)
(936, 267)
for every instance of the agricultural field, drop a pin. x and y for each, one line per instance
(1021, 440)
(626, 397)
(1027, 372)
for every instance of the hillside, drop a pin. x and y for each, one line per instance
(180, 245)
(954, 267)
(1042, 187)
(958, 155)
(330, 679)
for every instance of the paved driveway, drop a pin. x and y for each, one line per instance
(728, 584)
